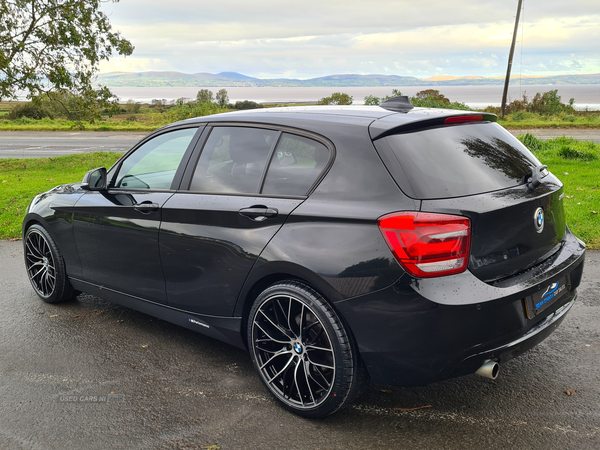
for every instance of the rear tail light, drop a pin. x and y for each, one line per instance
(428, 245)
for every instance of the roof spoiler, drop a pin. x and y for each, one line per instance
(398, 104)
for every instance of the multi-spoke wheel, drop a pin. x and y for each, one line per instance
(45, 266)
(301, 350)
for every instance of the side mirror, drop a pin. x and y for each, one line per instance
(94, 180)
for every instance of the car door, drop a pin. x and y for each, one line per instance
(246, 182)
(116, 230)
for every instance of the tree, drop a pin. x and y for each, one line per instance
(433, 94)
(133, 107)
(222, 97)
(337, 98)
(204, 96)
(374, 100)
(56, 46)
(158, 104)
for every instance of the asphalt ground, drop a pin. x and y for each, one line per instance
(39, 144)
(93, 375)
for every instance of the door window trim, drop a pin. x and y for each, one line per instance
(186, 181)
(114, 170)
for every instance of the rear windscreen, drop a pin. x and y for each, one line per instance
(456, 160)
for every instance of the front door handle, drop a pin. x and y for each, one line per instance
(259, 212)
(146, 207)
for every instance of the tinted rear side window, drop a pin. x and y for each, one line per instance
(295, 166)
(456, 160)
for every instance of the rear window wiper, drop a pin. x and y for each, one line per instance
(537, 174)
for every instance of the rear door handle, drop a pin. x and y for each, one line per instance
(259, 212)
(146, 207)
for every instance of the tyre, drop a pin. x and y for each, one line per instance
(46, 267)
(301, 350)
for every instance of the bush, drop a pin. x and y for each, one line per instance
(192, 109)
(530, 141)
(546, 104)
(29, 110)
(432, 102)
(337, 98)
(567, 152)
(247, 104)
(429, 98)
(132, 107)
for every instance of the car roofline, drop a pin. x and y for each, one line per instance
(383, 121)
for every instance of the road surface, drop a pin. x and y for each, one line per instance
(39, 144)
(92, 375)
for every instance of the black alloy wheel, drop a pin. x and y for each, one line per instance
(301, 350)
(45, 266)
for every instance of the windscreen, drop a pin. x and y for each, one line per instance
(456, 160)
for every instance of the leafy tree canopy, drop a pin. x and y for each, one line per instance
(204, 96)
(433, 95)
(247, 104)
(56, 46)
(337, 98)
(429, 98)
(222, 97)
(374, 100)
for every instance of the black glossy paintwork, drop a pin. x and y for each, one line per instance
(410, 332)
(110, 221)
(52, 209)
(197, 262)
(208, 248)
(504, 240)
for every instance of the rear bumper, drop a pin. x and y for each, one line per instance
(513, 349)
(416, 332)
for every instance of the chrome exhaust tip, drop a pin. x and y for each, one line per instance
(489, 370)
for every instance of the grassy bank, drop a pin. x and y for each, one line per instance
(566, 121)
(151, 122)
(148, 122)
(23, 179)
(576, 163)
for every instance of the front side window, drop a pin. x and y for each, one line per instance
(154, 163)
(233, 160)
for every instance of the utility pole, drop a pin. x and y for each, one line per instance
(510, 58)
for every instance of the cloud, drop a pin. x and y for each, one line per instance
(314, 38)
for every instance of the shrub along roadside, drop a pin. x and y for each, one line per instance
(576, 163)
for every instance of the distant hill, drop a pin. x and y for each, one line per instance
(230, 79)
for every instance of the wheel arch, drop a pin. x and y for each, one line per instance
(268, 274)
(33, 219)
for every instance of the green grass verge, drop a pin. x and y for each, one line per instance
(23, 179)
(151, 121)
(549, 124)
(24, 124)
(576, 163)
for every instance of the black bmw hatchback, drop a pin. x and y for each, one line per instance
(336, 244)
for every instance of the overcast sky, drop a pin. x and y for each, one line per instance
(311, 38)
